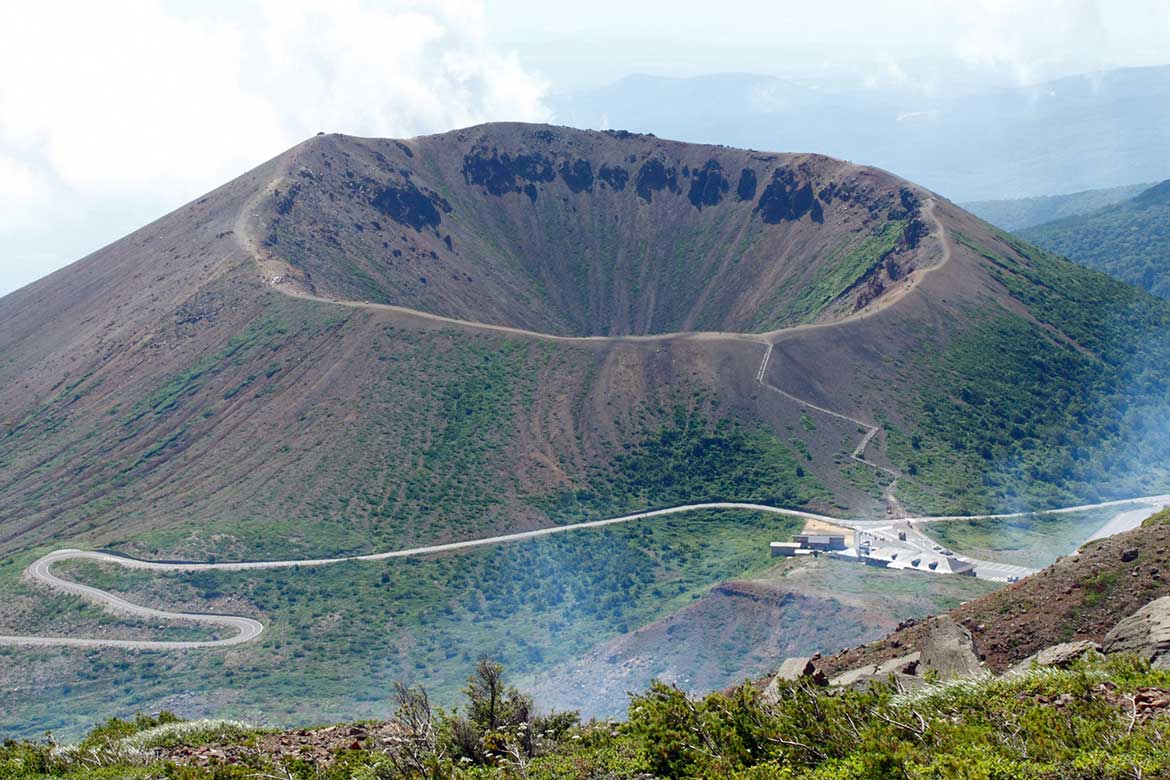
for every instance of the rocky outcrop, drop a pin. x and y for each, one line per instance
(708, 186)
(1145, 633)
(406, 204)
(949, 651)
(1058, 656)
(789, 198)
(654, 176)
(945, 649)
(793, 669)
(904, 671)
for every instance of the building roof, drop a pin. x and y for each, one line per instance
(952, 565)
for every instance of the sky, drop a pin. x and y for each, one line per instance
(113, 114)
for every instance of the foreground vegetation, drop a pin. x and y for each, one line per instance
(1099, 719)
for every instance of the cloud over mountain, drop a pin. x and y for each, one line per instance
(145, 104)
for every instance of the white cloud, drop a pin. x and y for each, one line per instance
(1027, 35)
(148, 101)
(23, 193)
(400, 70)
(116, 97)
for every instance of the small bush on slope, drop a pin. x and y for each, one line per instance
(1159, 518)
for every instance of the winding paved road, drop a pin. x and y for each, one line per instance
(40, 571)
(247, 629)
(1148, 500)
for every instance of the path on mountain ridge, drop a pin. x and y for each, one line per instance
(282, 284)
(260, 255)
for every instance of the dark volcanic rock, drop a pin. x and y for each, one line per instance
(492, 173)
(533, 167)
(785, 198)
(908, 204)
(615, 177)
(285, 200)
(578, 176)
(816, 213)
(408, 205)
(498, 173)
(746, 189)
(913, 233)
(708, 185)
(654, 176)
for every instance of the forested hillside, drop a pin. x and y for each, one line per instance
(1129, 240)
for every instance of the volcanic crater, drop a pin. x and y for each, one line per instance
(591, 233)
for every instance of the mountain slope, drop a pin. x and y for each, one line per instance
(597, 234)
(256, 404)
(194, 388)
(1129, 240)
(1014, 214)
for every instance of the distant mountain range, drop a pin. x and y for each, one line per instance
(1015, 214)
(1097, 130)
(1129, 240)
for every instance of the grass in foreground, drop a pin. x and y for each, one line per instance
(1099, 720)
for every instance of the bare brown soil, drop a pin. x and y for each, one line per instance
(318, 746)
(487, 225)
(1081, 596)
